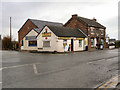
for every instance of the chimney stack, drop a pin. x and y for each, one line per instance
(94, 19)
(74, 15)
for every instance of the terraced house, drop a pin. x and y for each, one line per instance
(94, 30)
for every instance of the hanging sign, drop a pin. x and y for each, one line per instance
(48, 34)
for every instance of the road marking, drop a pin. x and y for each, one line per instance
(35, 69)
(17, 66)
(0, 82)
(109, 83)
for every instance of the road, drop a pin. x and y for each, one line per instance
(68, 70)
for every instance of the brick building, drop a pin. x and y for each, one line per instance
(30, 24)
(94, 30)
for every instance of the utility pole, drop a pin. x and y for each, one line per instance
(10, 30)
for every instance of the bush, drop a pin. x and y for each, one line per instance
(6, 43)
(117, 44)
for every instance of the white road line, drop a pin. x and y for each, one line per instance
(35, 69)
(0, 82)
(17, 66)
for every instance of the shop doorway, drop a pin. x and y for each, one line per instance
(71, 44)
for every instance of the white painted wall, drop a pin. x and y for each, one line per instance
(76, 45)
(25, 42)
(52, 39)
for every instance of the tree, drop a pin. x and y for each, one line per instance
(6, 43)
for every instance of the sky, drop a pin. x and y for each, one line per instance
(105, 11)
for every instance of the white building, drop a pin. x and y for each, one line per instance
(55, 39)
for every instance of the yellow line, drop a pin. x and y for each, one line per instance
(110, 85)
(107, 82)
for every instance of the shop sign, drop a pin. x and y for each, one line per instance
(79, 38)
(64, 38)
(46, 34)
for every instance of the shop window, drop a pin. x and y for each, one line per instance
(21, 42)
(80, 43)
(102, 41)
(46, 43)
(102, 32)
(64, 42)
(92, 31)
(92, 42)
(32, 43)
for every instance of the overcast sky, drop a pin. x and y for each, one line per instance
(105, 11)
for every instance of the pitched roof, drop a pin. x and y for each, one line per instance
(40, 23)
(90, 22)
(66, 32)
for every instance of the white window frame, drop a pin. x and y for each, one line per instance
(46, 46)
(102, 32)
(92, 45)
(91, 31)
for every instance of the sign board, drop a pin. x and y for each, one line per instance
(46, 34)
(64, 38)
(79, 38)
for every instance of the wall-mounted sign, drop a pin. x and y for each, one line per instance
(48, 34)
(64, 38)
(79, 38)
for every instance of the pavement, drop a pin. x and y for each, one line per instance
(69, 70)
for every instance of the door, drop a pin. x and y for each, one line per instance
(71, 44)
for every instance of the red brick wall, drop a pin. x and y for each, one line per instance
(74, 23)
(24, 30)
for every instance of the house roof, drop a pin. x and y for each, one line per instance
(40, 23)
(90, 22)
(66, 32)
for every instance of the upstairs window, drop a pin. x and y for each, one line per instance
(102, 32)
(32, 43)
(97, 32)
(92, 31)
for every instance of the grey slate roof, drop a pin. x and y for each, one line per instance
(40, 23)
(66, 32)
(91, 22)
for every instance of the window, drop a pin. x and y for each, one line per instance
(92, 42)
(32, 43)
(80, 43)
(102, 41)
(46, 43)
(97, 32)
(92, 31)
(21, 42)
(102, 32)
(64, 42)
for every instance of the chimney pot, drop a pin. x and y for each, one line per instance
(94, 19)
(74, 15)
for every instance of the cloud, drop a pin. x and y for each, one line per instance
(57, 12)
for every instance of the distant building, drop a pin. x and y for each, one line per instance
(112, 43)
(94, 30)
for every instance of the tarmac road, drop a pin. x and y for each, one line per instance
(69, 70)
